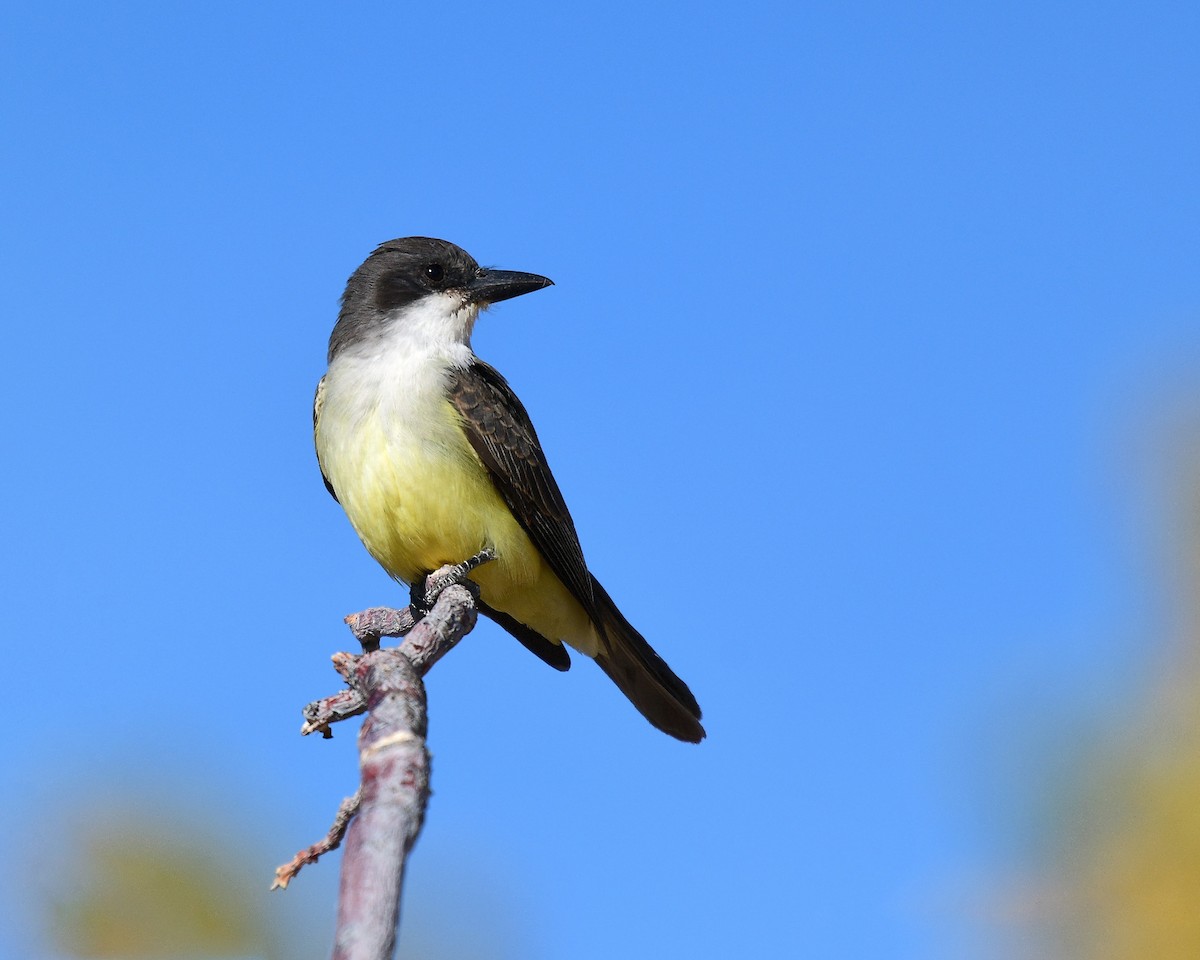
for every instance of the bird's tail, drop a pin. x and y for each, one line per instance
(643, 676)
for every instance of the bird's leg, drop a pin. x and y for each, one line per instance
(425, 592)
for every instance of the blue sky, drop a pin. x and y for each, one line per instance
(865, 321)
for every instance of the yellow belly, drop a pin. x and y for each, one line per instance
(418, 502)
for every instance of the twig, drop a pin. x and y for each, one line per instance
(346, 812)
(370, 625)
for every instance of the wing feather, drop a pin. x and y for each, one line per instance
(318, 400)
(503, 436)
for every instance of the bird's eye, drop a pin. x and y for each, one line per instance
(435, 272)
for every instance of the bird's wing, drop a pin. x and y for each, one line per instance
(317, 401)
(502, 436)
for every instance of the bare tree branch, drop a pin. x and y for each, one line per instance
(381, 822)
(395, 789)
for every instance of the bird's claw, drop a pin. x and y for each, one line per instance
(425, 592)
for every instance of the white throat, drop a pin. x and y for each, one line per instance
(401, 371)
(436, 326)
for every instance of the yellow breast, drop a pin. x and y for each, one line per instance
(419, 497)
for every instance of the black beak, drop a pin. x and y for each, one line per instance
(492, 286)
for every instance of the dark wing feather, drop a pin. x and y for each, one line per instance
(501, 433)
(317, 401)
(554, 654)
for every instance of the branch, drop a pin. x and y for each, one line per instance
(382, 820)
(395, 789)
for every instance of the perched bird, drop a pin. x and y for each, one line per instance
(434, 458)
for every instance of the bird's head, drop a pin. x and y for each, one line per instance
(432, 288)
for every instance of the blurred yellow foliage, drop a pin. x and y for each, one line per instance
(1127, 854)
(1130, 858)
(152, 892)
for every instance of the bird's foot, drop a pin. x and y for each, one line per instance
(370, 626)
(425, 592)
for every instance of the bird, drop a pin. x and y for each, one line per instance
(435, 460)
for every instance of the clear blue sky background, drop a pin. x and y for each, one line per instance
(860, 312)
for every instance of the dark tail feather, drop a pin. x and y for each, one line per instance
(643, 676)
